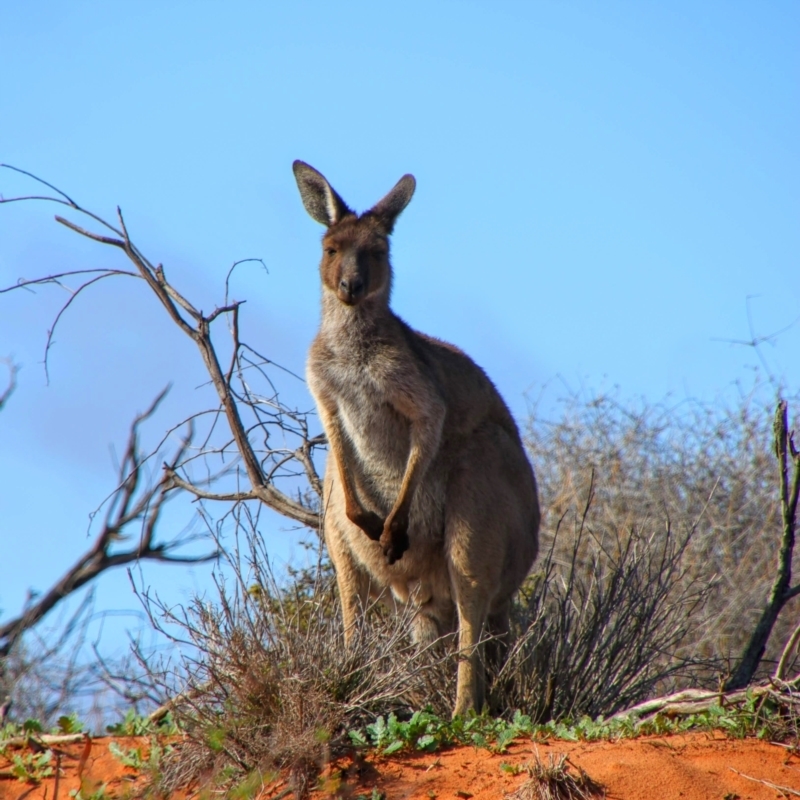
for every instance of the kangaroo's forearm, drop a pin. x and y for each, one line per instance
(340, 454)
(426, 434)
(425, 439)
(368, 521)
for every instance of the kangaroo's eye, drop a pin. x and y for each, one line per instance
(331, 251)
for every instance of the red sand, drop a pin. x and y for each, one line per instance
(690, 767)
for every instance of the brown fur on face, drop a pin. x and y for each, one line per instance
(429, 497)
(355, 260)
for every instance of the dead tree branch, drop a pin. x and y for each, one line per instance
(266, 454)
(131, 506)
(44, 739)
(782, 591)
(695, 701)
(263, 466)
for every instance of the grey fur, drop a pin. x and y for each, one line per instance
(429, 496)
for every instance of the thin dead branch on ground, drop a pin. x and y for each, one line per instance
(694, 701)
(45, 739)
(785, 790)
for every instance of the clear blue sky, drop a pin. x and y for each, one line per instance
(601, 186)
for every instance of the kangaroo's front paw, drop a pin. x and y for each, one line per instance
(394, 540)
(369, 522)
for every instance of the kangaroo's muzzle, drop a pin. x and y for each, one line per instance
(351, 290)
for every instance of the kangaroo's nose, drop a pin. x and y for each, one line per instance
(352, 287)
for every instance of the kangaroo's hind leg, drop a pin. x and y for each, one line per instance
(472, 604)
(490, 537)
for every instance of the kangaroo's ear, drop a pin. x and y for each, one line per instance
(388, 209)
(319, 197)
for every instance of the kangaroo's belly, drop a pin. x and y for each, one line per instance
(421, 576)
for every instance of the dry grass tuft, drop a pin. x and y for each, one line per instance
(556, 779)
(269, 684)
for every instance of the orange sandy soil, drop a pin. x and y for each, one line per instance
(692, 767)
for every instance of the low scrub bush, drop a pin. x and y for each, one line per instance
(659, 543)
(598, 631)
(268, 683)
(685, 503)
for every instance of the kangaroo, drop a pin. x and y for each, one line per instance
(429, 497)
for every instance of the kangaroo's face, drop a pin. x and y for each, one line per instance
(355, 260)
(355, 249)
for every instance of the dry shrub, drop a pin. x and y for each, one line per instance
(268, 682)
(675, 520)
(597, 631)
(660, 540)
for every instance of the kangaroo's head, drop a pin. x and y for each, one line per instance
(355, 249)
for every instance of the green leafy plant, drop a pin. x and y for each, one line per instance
(69, 724)
(426, 731)
(135, 758)
(32, 726)
(375, 795)
(32, 767)
(132, 757)
(91, 793)
(133, 724)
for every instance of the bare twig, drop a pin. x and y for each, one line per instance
(128, 507)
(63, 309)
(200, 333)
(197, 325)
(202, 494)
(787, 655)
(770, 784)
(13, 369)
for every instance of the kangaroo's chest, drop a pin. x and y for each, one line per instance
(378, 435)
